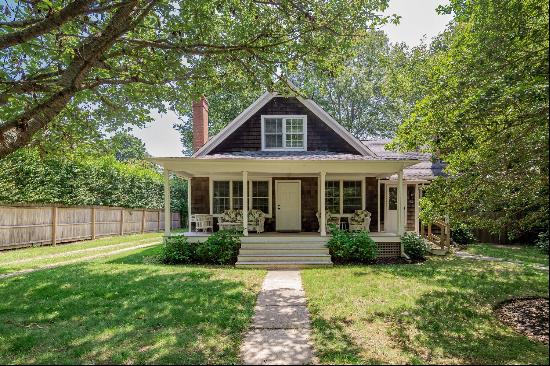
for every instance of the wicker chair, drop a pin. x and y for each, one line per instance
(330, 219)
(203, 222)
(256, 220)
(231, 219)
(360, 221)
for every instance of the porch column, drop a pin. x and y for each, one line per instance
(189, 204)
(322, 213)
(167, 211)
(245, 203)
(400, 204)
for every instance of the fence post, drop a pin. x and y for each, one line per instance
(158, 220)
(93, 223)
(54, 225)
(121, 221)
(142, 221)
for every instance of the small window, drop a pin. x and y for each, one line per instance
(221, 197)
(332, 196)
(284, 132)
(260, 196)
(352, 196)
(237, 195)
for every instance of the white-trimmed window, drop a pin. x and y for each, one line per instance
(228, 195)
(343, 197)
(284, 132)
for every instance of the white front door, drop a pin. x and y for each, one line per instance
(390, 218)
(288, 200)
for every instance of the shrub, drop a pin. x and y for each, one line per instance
(542, 242)
(346, 247)
(462, 234)
(222, 247)
(415, 246)
(177, 250)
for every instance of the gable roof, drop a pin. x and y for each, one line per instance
(262, 101)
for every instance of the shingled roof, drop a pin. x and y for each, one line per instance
(428, 169)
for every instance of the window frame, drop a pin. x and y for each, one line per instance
(340, 181)
(284, 117)
(249, 199)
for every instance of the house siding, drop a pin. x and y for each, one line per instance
(200, 200)
(411, 207)
(371, 204)
(320, 137)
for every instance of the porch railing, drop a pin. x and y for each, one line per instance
(440, 237)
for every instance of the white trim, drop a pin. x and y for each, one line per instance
(416, 208)
(231, 179)
(284, 117)
(245, 202)
(263, 100)
(236, 123)
(299, 201)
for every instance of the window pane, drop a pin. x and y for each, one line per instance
(220, 196)
(260, 196)
(392, 198)
(294, 140)
(273, 125)
(352, 196)
(273, 141)
(237, 195)
(332, 196)
(295, 125)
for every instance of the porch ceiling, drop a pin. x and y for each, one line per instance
(191, 167)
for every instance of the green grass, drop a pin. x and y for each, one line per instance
(437, 312)
(30, 258)
(125, 309)
(523, 253)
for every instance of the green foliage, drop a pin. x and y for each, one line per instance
(542, 242)
(484, 111)
(178, 250)
(346, 247)
(222, 247)
(415, 246)
(127, 147)
(462, 234)
(25, 176)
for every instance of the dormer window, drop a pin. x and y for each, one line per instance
(284, 132)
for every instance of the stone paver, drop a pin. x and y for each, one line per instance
(280, 331)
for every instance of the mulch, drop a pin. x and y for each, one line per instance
(528, 316)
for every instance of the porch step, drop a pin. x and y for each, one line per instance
(283, 246)
(283, 265)
(287, 257)
(272, 250)
(284, 239)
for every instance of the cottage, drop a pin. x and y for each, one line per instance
(298, 171)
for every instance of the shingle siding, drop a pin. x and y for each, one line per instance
(320, 137)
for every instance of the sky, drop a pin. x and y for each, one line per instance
(418, 20)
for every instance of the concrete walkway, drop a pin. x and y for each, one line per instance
(280, 332)
(479, 257)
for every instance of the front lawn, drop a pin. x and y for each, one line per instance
(523, 253)
(123, 310)
(437, 312)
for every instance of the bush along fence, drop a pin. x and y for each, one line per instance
(30, 225)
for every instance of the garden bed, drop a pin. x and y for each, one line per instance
(528, 316)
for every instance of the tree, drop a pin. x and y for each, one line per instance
(127, 147)
(358, 96)
(485, 112)
(114, 60)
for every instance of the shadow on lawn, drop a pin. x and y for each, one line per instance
(99, 313)
(457, 321)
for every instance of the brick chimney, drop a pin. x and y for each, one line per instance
(200, 123)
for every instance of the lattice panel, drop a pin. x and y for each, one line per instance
(389, 250)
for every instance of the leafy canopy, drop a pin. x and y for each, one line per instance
(485, 113)
(73, 68)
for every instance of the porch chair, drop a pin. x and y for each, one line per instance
(256, 220)
(203, 222)
(360, 221)
(231, 219)
(330, 219)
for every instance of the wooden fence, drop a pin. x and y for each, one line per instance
(28, 225)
